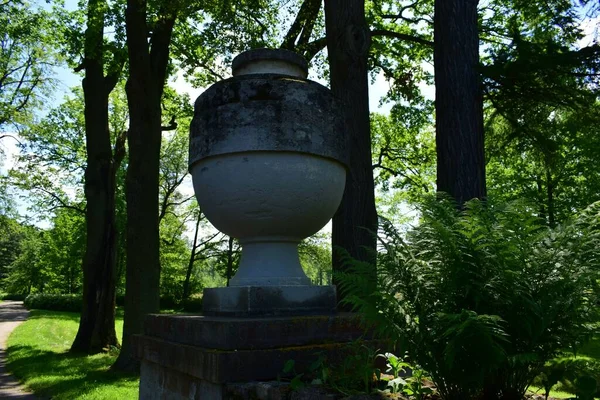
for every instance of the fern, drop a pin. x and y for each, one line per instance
(481, 297)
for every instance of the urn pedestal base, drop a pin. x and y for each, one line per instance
(199, 357)
(269, 300)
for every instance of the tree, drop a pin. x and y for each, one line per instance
(148, 62)
(26, 59)
(541, 92)
(458, 101)
(348, 42)
(51, 162)
(27, 273)
(149, 28)
(11, 236)
(403, 148)
(62, 252)
(315, 258)
(97, 323)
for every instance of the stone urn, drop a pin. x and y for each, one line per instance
(268, 161)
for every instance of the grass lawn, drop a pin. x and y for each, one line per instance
(557, 394)
(37, 356)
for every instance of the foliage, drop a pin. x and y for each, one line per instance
(404, 160)
(191, 305)
(406, 378)
(11, 236)
(483, 297)
(47, 260)
(26, 60)
(15, 297)
(54, 302)
(315, 258)
(352, 372)
(51, 162)
(567, 373)
(26, 273)
(37, 355)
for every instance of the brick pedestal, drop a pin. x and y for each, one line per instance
(198, 357)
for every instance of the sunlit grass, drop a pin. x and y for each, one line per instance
(37, 356)
(557, 394)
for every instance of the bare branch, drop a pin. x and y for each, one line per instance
(403, 36)
(62, 203)
(10, 136)
(311, 49)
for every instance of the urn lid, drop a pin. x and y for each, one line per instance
(270, 61)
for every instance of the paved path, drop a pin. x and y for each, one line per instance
(12, 314)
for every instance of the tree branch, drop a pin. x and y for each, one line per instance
(172, 125)
(301, 30)
(311, 49)
(10, 136)
(402, 36)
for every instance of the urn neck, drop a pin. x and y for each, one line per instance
(270, 61)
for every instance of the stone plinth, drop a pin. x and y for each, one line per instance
(198, 357)
(269, 300)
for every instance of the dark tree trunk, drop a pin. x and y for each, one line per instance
(229, 271)
(458, 101)
(188, 274)
(348, 41)
(148, 61)
(550, 198)
(541, 197)
(97, 324)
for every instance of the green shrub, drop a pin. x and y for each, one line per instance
(482, 298)
(14, 296)
(168, 303)
(191, 305)
(54, 302)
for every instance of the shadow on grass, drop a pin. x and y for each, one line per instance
(65, 315)
(591, 348)
(65, 375)
(62, 315)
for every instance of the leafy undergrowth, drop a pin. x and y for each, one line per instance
(38, 357)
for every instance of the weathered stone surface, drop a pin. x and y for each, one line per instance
(269, 300)
(184, 355)
(313, 393)
(282, 391)
(283, 61)
(254, 333)
(161, 383)
(267, 113)
(269, 200)
(220, 366)
(268, 158)
(258, 391)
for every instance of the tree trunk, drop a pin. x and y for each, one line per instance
(188, 274)
(458, 101)
(229, 260)
(550, 198)
(348, 41)
(540, 198)
(147, 74)
(97, 324)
